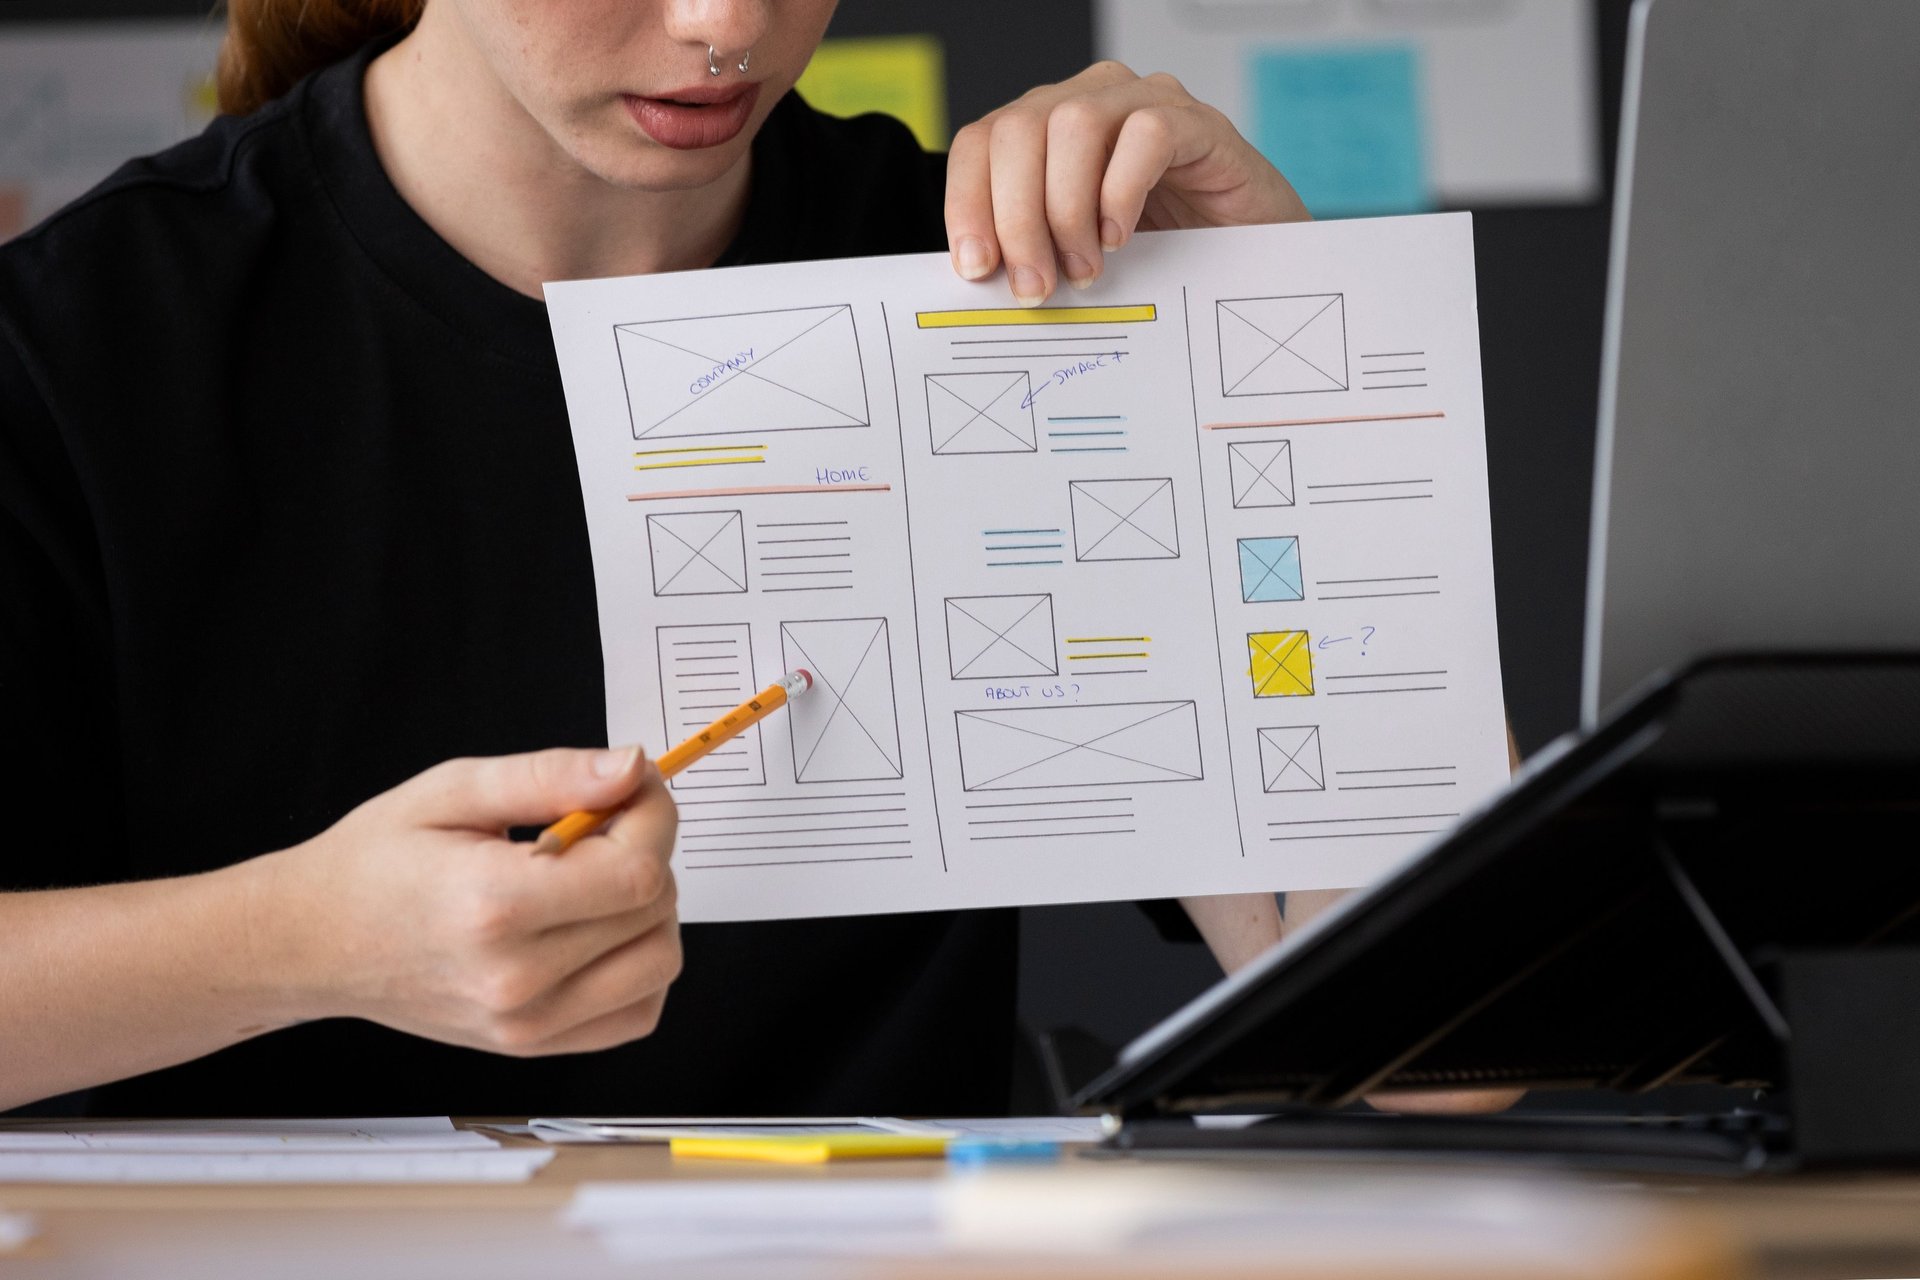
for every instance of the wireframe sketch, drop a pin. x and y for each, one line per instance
(1260, 473)
(847, 728)
(1282, 346)
(1001, 637)
(1270, 570)
(797, 369)
(698, 553)
(981, 412)
(705, 672)
(1290, 759)
(1123, 520)
(1089, 745)
(1281, 664)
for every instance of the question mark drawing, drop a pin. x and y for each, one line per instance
(1365, 639)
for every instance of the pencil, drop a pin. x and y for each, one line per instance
(556, 838)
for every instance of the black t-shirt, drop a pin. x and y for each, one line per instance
(289, 512)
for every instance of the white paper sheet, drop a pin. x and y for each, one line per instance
(1187, 593)
(388, 1149)
(781, 1222)
(1507, 88)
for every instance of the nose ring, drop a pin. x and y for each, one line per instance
(713, 66)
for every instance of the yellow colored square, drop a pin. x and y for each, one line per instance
(1282, 664)
(901, 76)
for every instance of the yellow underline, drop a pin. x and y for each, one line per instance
(694, 462)
(1088, 657)
(1112, 640)
(1033, 315)
(708, 448)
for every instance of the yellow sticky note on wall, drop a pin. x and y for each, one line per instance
(903, 76)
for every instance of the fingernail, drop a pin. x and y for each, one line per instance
(1110, 233)
(1029, 290)
(1079, 272)
(972, 258)
(614, 762)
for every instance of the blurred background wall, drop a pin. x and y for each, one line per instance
(1504, 107)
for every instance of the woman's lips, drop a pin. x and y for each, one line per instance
(700, 119)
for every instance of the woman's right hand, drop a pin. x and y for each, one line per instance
(417, 912)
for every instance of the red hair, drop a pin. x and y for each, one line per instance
(272, 44)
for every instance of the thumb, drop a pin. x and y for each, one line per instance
(493, 793)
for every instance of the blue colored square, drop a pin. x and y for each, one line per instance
(1344, 124)
(1270, 570)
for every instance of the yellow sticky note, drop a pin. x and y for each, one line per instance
(902, 76)
(1282, 664)
(813, 1148)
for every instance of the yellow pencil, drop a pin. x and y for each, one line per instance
(574, 826)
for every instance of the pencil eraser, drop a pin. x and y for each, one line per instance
(804, 674)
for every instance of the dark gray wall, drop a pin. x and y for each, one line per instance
(1542, 275)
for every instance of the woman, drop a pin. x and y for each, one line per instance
(288, 520)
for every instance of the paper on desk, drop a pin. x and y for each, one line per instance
(242, 1137)
(407, 1149)
(1182, 585)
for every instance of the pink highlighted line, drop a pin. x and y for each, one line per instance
(749, 490)
(1323, 422)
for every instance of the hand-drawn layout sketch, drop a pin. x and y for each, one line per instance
(1290, 759)
(1260, 472)
(698, 553)
(1090, 745)
(797, 369)
(1270, 570)
(705, 672)
(1124, 520)
(1094, 610)
(847, 728)
(981, 412)
(1282, 346)
(1281, 664)
(1001, 637)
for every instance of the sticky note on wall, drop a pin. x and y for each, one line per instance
(902, 76)
(1345, 124)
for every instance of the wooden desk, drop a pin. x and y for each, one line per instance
(1831, 1228)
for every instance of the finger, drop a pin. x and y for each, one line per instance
(496, 792)
(635, 1022)
(970, 238)
(1148, 143)
(601, 876)
(644, 967)
(558, 953)
(1080, 137)
(1018, 164)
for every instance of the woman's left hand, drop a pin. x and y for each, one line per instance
(1065, 174)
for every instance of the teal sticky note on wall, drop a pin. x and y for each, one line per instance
(1345, 124)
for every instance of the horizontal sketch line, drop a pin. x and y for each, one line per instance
(700, 448)
(1386, 675)
(1347, 693)
(1090, 417)
(1009, 533)
(1070, 817)
(1401, 497)
(1381, 373)
(1368, 484)
(801, 573)
(976, 342)
(696, 462)
(1057, 835)
(783, 814)
(1034, 804)
(1030, 546)
(856, 795)
(1418, 768)
(1014, 564)
(751, 490)
(795, 862)
(1392, 355)
(1397, 786)
(1396, 386)
(794, 831)
(814, 555)
(1096, 657)
(781, 542)
(678, 643)
(1123, 671)
(1383, 817)
(825, 586)
(1323, 422)
(831, 844)
(1053, 355)
(1109, 639)
(1355, 582)
(1358, 835)
(1382, 595)
(797, 524)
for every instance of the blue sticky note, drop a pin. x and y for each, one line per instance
(1344, 124)
(1270, 570)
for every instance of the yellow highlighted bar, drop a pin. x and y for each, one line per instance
(1112, 640)
(813, 1149)
(696, 462)
(1033, 315)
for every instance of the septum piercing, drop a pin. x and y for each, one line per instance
(713, 67)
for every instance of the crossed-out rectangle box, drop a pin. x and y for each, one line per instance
(697, 553)
(1079, 745)
(1130, 519)
(981, 411)
(1001, 637)
(1282, 346)
(847, 727)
